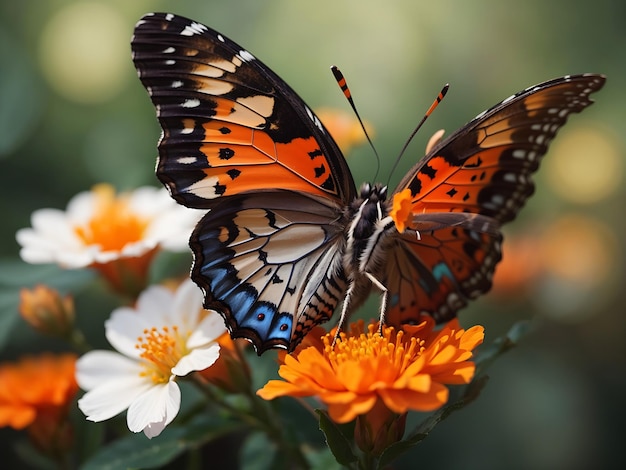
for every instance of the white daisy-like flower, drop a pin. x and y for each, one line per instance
(99, 227)
(167, 335)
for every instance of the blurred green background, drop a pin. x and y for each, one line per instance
(73, 113)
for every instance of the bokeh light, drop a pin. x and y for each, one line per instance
(84, 52)
(579, 258)
(585, 165)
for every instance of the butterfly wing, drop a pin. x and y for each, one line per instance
(439, 272)
(484, 168)
(269, 262)
(238, 141)
(230, 124)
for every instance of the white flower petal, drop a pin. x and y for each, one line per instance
(97, 367)
(155, 305)
(187, 304)
(81, 207)
(174, 227)
(53, 237)
(198, 359)
(123, 328)
(154, 409)
(113, 397)
(210, 328)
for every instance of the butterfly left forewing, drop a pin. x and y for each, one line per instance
(230, 124)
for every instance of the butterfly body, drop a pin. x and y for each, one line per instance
(288, 238)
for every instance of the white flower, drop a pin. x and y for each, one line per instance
(167, 336)
(99, 227)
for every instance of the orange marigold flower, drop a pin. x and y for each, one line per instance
(406, 369)
(401, 209)
(35, 393)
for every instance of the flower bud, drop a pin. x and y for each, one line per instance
(46, 311)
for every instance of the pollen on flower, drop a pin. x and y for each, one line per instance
(390, 347)
(114, 224)
(161, 350)
(401, 209)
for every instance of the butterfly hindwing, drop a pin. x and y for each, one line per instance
(230, 124)
(438, 272)
(270, 265)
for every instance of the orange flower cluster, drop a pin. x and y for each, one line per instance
(35, 393)
(406, 369)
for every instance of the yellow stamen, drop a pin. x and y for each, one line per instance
(113, 224)
(161, 350)
(389, 347)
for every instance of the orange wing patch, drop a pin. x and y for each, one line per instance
(234, 152)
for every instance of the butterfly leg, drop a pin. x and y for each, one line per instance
(383, 300)
(344, 311)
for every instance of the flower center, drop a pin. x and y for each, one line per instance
(161, 350)
(113, 224)
(390, 348)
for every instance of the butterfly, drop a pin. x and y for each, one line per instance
(288, 237)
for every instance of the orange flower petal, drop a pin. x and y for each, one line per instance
(346, 412)
(403, 400)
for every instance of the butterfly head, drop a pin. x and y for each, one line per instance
(368, 208)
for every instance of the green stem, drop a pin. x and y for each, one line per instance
(260, 416)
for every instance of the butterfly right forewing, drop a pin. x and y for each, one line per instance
(484, 168)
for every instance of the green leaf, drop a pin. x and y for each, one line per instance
(322, 459)
(20, 94)
(137, 451)
(336, 440)
(18, 274)
(472, 391)
(258, 453)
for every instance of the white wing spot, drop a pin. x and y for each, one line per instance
(508, 99)
(169, 50)
(170, 62)
(169, 17)
(314, 118)
(176, 84)
(245, 56)
(204, 188)
(510, 177)
(193, 28)
(192, 103)
(220, 38)
(186, 160)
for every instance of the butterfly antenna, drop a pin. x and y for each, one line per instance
(436, 102)
(341, 81)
